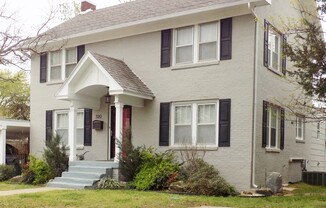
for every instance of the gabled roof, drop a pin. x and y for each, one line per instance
(123, 75)
(95, 70)
(134, 11)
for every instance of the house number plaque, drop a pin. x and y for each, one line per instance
(98, 116)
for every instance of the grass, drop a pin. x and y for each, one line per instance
(5, 186)
(305, 196)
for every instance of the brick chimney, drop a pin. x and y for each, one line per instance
(85, 5)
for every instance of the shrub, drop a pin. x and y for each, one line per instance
(40, 170)
(129, 158)
(7, 172)
(55, 155)
(156, 170)
(204, 179)
(109, 183)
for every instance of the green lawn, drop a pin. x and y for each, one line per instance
(305, 196)
(4, 186)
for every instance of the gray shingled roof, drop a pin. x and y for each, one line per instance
(123, 75)
(129, 12)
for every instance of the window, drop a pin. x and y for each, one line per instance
(274, 47)
(55, 65)
(62, 63)
(196, 43)
(61, 121)
(62, 124)
(300, 127)
(184, 45)
(194, 124)
(273, 57)
(208, 41)
(273, 127)
(71, 60)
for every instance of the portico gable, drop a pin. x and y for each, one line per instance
(94, 77)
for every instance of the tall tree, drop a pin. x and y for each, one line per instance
(14, 95)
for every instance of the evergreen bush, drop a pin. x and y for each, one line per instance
(55, 156)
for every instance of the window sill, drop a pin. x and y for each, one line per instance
(275, 150)
(78, 147)
(54, 82)
(279, 73)
(300, 141)
(194, 65)
(200, 148)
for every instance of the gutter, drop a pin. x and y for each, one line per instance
(254, 100)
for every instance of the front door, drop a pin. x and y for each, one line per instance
(126, 123)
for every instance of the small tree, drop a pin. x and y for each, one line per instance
(55, 155)
(14, 95)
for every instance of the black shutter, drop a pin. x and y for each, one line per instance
(43, 67)
(164, 124)
(87, 127)
(266, 31)
(166, 37)
(48, 125)
(282, 129)
(265, 111)
(224, 123)
(226, 39)
(283, 56)
(80, 52)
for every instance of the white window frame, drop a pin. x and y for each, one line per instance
(55, 120)
(196, 43)
(63, 64)
(300, 128)
(278, 127)
(272, 33)
(194, 122)
(55, 128)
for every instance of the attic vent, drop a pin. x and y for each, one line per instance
(86, 5)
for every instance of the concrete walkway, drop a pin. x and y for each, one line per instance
(27, 191)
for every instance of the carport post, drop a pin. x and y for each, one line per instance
(3, 131)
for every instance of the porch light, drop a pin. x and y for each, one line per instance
(107, 98)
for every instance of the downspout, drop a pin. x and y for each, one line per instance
(254, 109)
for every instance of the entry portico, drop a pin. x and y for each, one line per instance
(94, 77)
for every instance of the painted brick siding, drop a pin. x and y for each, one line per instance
(228, 79)
(275, 89)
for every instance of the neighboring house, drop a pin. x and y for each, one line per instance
(200, 74)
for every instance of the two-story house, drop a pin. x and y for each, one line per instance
(195, 74)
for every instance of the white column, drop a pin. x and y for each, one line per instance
(72, 133)
(3, 132)
(118, 128)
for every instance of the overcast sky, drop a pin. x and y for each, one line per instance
(33, 13)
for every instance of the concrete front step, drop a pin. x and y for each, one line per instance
(82, 174)
(107, 164)
(66, 185)
(76, 180)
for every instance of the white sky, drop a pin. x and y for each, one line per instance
(32, 13)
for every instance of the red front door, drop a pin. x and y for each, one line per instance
(126, 123)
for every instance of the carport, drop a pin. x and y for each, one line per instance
(12, 130)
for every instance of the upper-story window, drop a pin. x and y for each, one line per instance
(196, 43)
(273, 49)
(62, 63)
